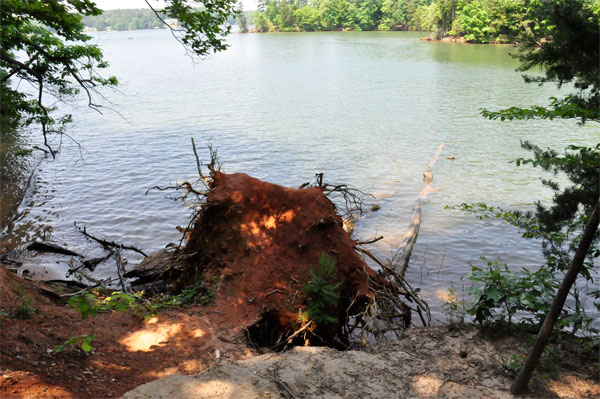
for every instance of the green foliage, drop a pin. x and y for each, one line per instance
(513, 364)
(308, 18)
(85, 303)
(476, 22)
(261, 22)
(481, 21)
(43, 43)
(85, 341)
(240, 17)
(199, 293)
(562, 38)
(25, 309)
(88, 305)
(454, 309)
(499, 293)
(321, 291)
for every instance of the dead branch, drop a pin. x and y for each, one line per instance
(294, 335)
(185, 185)
(109, 244)
(282, 385)
(374, 240)
(198, 162)
(402, 256)
(352, 197)
(121, 270)
(98, 284)
(275, 292)
(90, 264)
(389, 313)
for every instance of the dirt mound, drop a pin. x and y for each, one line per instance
(258, 241)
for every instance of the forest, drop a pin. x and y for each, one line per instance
(123, 20)
(129, 19)
(479, 21)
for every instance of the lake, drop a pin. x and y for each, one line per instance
(368, 109)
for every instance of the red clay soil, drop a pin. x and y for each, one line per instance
(260, 240)
(129, 350)
(256, 240)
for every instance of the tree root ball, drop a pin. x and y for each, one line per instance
(256, 243)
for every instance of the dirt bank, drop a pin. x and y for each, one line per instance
(426, 363)
(131, 350)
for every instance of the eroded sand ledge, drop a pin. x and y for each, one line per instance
(434, 362)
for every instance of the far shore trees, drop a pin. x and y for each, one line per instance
(240, 17)
(478, 21)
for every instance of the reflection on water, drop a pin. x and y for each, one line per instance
(17, 175)
(368, 109)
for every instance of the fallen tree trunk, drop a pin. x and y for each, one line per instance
(402, 256)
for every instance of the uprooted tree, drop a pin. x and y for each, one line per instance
(286, 270)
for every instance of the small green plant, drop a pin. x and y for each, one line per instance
(454, 309)
(321, 291)
(84, 340)
(25, 309)
(88, 305)
(513, 364)
(199, 293)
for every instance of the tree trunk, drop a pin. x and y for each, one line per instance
(402, 256)
(520, 383)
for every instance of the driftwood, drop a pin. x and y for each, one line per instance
(49, 247)
(109, 244)
(402, 256)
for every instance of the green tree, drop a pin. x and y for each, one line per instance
(286, 19)
(240, 17)
(393, 13)
(563, 39)
(308, 18)
(42, 43)
(476, 22)
(261, 22)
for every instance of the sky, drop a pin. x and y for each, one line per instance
(123, 4)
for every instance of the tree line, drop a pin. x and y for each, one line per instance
(130, 19)
(479, 21)
(123, 20)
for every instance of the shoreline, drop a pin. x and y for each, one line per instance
(183, 347)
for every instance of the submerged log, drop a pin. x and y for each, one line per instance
(402, 256)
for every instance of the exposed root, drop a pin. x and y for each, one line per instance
(389, 313)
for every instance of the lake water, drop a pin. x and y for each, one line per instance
(368, 109)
